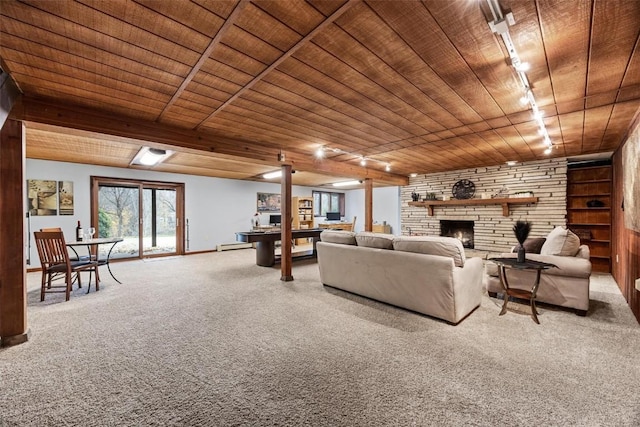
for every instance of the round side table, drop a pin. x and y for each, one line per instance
(503, 264)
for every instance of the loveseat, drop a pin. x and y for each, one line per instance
(429, 275)
(565, 286)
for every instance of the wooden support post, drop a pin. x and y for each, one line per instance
(286, 217)
(368, 204)
(13, 294)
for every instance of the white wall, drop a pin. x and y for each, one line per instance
(386, 207)
(216, 208)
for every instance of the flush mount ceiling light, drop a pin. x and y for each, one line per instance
(271, 175)
(346, 183)
(511, 163)
(148, 156)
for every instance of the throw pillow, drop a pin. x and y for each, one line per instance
(375, 240)
(533, 245)
(561, 241)
(340, 237)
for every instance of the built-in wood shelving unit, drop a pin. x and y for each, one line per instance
(505, 202)
(593, 225)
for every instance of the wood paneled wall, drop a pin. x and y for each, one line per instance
(626, 243)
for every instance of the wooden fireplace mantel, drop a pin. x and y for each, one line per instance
(505, 202)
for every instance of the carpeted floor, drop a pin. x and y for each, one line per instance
(214, 340)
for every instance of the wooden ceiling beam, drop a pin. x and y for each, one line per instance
(286, 55)
(82, 118)
(206, 54)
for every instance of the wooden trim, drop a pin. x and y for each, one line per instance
(505, 202)
(229, 22)
(286, 55)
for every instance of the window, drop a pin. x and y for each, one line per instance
(324, 202)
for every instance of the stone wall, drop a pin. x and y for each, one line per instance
(547, 179)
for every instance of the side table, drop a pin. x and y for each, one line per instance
(503, 264)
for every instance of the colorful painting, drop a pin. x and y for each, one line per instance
(268, 202)
(631, 179)
(42, 197)
(65, 197)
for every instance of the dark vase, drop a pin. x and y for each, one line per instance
(521, 257)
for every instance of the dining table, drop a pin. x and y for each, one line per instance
(92, 246)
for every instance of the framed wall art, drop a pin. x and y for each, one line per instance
(42, 197)
(268, 202)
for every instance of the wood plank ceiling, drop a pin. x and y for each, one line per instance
(422, 86)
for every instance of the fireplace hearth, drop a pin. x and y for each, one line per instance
(461, 230)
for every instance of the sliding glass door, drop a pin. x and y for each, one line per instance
(145, 214)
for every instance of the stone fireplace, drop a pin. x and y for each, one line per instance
(461, 230)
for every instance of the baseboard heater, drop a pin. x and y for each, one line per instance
(231, 246)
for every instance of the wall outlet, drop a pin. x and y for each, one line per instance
(638, 284)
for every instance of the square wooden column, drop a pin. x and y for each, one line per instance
(285, 224)
(368, 204)
(13, 293)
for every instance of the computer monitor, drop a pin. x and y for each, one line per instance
(333, 216)
(275, 219)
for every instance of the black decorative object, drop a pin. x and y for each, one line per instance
(595, 203)
(415, 196)
(464, 189)
(521, 230)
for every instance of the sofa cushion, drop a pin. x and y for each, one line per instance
(561, 241)
(337, 236)
(532, 245)
(432, 245)
(375, 240)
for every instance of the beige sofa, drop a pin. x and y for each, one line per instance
(565, 286)
(429, 275)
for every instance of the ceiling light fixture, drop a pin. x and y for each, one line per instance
(320, 152)
(413, 175)
(346, 183)
(271, 175)
(500, 25)
(387, 168)
(511, 163)
(363, 161)
(148, 156)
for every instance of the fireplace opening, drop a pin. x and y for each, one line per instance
(461, 230)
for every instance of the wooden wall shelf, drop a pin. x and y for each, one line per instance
(505, 202)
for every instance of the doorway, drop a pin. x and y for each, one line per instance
(146, 214)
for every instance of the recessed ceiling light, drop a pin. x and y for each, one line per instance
(387, 168)
(511, 163)
(320, 152)
(413, 175)
(547, 151)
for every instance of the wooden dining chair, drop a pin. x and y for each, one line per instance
(56, 263)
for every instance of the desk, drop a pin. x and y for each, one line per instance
(381, 228)
(265, 243)
(504, 263)
(92, 248)
(336, 225)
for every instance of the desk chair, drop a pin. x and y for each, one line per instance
(56, 263)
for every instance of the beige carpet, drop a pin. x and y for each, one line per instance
(214, 340)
